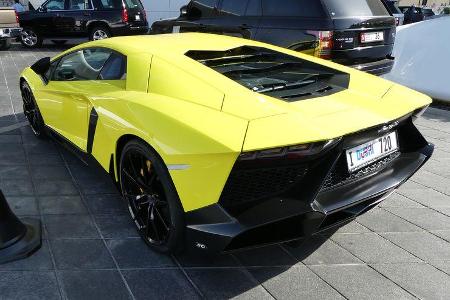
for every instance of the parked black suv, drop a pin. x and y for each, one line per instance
(359, 33)
(415, 14)
(96, 19)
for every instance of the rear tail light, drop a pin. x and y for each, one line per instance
(290, 152)
(17, 17)
(324, 43)
(144, 14)
(124, 13)
(397, 21)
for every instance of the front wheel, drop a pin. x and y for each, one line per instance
(99, 33)
(30, 38)
(152, 200)
(31, 110)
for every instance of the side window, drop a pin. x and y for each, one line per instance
(79, 4)
(202, 8)
(83, 64)
(115, 68)
(293, 8)
(234, 7)
(254, 8)
(49, 73)
(54, 5)
(110, 4)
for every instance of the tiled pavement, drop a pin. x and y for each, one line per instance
(400, 250)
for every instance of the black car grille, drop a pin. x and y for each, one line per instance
(247, 185)
(341, 176)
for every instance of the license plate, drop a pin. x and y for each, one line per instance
(138, 17)
(363, 155)
(370, 37)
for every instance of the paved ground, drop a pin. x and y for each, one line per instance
(399, 250)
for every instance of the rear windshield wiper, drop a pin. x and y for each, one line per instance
(310, 79)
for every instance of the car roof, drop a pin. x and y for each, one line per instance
(166, 45)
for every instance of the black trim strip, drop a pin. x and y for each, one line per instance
(91, 130)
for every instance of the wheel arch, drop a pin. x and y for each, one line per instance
(94, 23)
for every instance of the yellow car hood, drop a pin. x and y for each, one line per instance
(332, 116)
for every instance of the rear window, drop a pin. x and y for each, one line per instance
(392, 7)
(134, 4)
(293, 8)
(428, 12)
(273, 73)
(110, 4)
(355, 8)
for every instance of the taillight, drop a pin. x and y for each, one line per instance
(324, 43)
(17, 17)
(124, 13)
(144, 14)
(397, 21)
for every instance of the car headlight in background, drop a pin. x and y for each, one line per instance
(296, 151)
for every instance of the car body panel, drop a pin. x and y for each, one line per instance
(201, 123)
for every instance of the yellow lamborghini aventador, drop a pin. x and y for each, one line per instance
(223, 143)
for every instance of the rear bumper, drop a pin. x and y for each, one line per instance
(10, 32)
(379, 67)
(291, 216)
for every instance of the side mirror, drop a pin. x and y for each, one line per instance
(184, 11)
(41, 66)
(42, 9)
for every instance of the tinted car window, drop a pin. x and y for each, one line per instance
(81, 65)
(115, 68)
(355, 8)
(234, 7)
(112, 4)
(133, 4)
(202, 8)
(428, 12)
(292, 8)
(78, 4)
(54, 5)
(253, 8)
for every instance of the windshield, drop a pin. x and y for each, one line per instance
(269, 72)
(355, 8)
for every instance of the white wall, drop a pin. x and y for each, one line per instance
(162, 9)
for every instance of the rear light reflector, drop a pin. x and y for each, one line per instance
(124, 13)
(324, 43)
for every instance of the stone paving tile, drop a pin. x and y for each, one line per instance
(422, 280)
(54, 205)
(380, 220)
(227, 283)
(398, 200)
(443, 265)
(265, 256)
(193, 260)
(142, 256)
(94, 284)
(444, 234)
(360, 282)
(423, 217)
(23, 205)
(54, 187)
(106, 204)
(372, 248)
(428, 197)
(297, 282)
(29, 285)
(70, 226)
(116, 226)
(422, 244)
(41, 260)
(155, 284)
(75, 254)
(320, 250)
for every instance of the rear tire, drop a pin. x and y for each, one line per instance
(5, 44)
(99, 32)
(151, 197)
(31, 111)
(30, 38)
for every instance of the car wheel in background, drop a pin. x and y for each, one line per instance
(151, 197)
(30, 39)
(99, 33)
(5, 44)
(31, 110)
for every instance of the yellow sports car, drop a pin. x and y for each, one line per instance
(223, 143)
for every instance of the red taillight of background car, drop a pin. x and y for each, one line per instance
(17, 17)
(397, 21)
(324, 43)
(124, 13)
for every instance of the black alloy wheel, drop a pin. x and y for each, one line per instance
(151, 197)
(31, 110)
